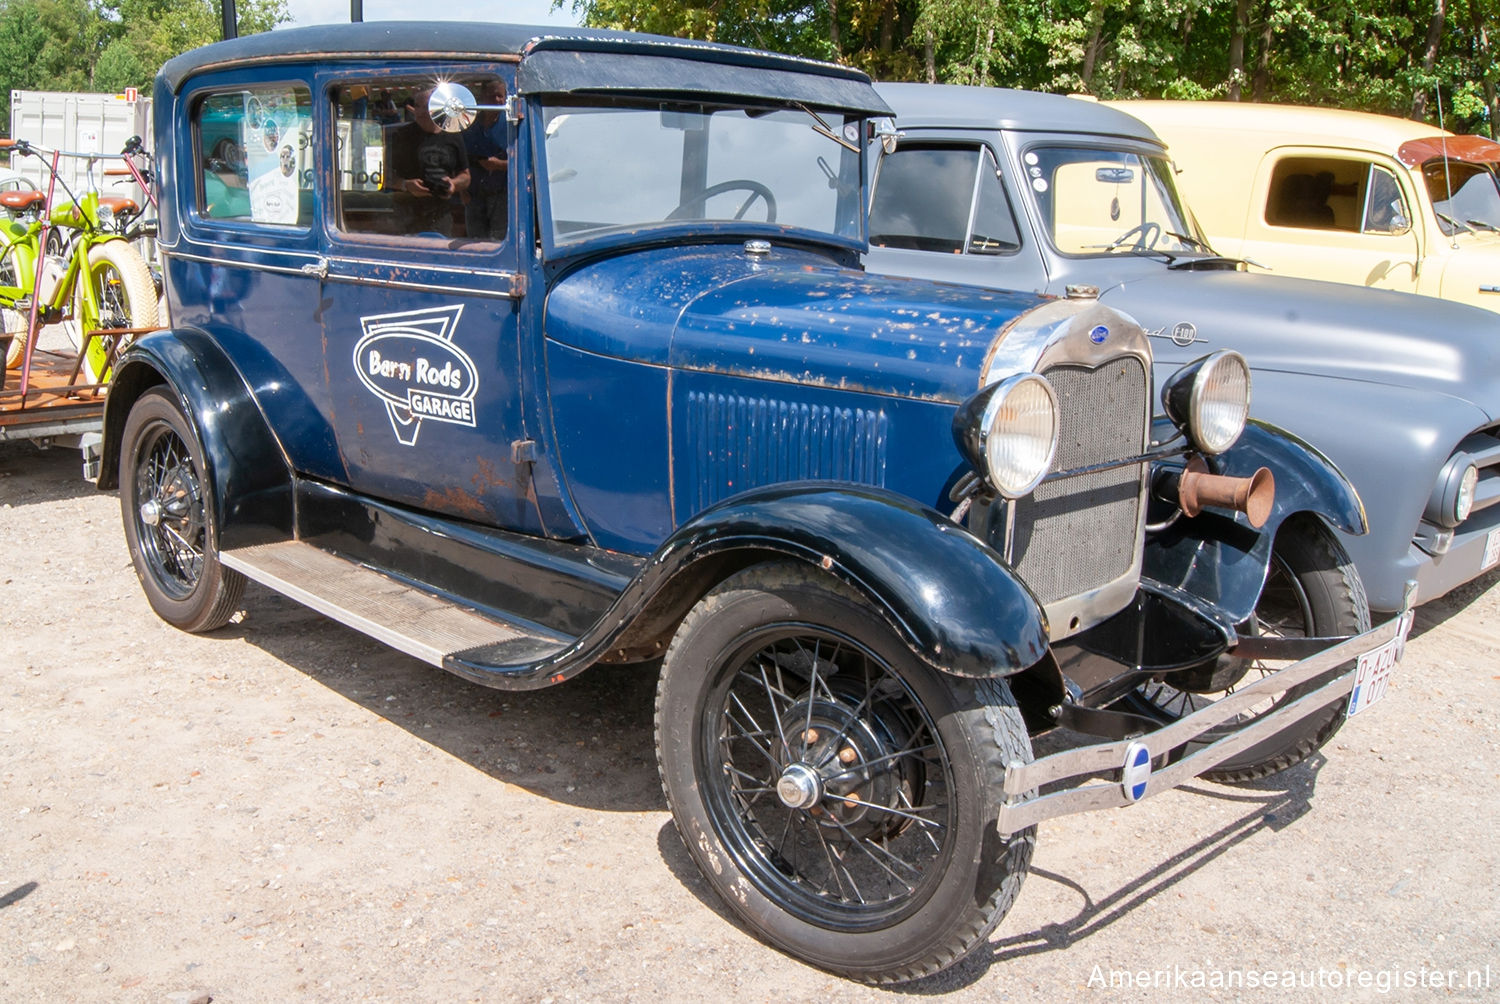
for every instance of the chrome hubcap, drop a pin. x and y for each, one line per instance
(150, 512)
(800, 787)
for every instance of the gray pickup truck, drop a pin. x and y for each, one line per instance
(1019, 190)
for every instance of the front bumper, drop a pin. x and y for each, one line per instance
(1129, 761)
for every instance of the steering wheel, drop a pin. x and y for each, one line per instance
(755, 188)
(1146, 235)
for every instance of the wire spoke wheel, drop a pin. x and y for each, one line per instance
(830, 782)
(841, 795)
(169, 508)
(168, 511)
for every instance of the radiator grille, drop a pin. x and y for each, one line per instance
(737, 443)
(1074, 534)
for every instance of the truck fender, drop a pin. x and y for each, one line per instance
(1217, 555)
(949, 596)
(248, 472)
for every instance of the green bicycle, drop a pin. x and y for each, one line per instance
(100, 284)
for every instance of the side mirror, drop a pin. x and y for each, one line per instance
(885, 130)
(452, 106)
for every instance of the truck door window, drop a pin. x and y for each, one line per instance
(1319, 193)
(254, 155)
(1385, 208)
(402, 177)
(942, 198)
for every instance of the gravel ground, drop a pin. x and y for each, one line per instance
(284, 810)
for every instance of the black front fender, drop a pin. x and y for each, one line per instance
(247, 469)
(1218, 556)
(950, 596)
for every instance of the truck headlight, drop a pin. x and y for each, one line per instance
(1209, 399)
(1008, 432)
(1452, 497)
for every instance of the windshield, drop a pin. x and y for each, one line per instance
(1465, 196)
(629, 167)
(1094, 202)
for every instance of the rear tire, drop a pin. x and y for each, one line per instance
(170, 523)
(1311, 590)
(885, 865)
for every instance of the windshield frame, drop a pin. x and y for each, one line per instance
(695, 230)
(1024, 144)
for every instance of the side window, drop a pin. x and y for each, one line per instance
(1318, 193)
(401, 176)
(255, 155)
(1385, 209)
(947, 199)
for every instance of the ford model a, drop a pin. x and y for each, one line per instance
(644, 408)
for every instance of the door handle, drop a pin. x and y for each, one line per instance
(318, 268)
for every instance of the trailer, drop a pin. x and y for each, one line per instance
(82, 122)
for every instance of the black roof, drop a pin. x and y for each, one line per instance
(585, 59)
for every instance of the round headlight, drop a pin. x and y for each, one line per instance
(1018, 433)
(1210, 400)
(1452, 497)
(106, 217)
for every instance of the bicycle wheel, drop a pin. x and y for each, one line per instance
(126, 297)
(14, 322)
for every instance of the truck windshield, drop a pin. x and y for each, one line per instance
(1094, 202)
(630, 167)
(1464, 196)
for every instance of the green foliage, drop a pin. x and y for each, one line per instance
(108, 45)
(1364, 54)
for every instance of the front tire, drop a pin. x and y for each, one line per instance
(840, 795)
(169, 518)
(126, 297)
(1312, 590)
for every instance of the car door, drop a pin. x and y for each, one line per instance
(420, 321)
(243, 265)
(940, 209)
(1345, 217)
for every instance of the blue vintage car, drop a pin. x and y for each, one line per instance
(574, 362)
(1022, 190)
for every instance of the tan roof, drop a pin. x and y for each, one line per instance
(1330, 126)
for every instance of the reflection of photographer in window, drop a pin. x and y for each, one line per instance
(430, 167)
(485, 139)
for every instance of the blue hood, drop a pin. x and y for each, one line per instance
(794, 316)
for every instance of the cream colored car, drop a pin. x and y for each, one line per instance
(1345, 196)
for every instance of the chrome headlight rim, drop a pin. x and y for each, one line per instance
(995, 427)
(1196, 401)
(1452, 499)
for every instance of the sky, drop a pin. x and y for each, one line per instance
(514, 11)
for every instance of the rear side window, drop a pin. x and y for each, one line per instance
(400, 176)
(254, 155)
(1329, 193)
(941, 198)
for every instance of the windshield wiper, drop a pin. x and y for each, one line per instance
(822, 128)
(1484, 224)
(1455, 224)
(1192, 242)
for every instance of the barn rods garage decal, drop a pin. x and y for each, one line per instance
(409, 361)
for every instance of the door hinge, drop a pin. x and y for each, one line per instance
(523, 451)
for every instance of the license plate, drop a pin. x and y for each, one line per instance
(1372, 675)
(1491, 550)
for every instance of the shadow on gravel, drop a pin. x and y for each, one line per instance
(588, 742)
(19, 893)
(29, 475)
(1274, 803)
(1430, 615)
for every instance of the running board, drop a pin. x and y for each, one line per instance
(404, 616)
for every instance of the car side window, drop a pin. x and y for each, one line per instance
(400, 176)
(1334, 193)
(949, 199)
(254, 155)
(1385, 208)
